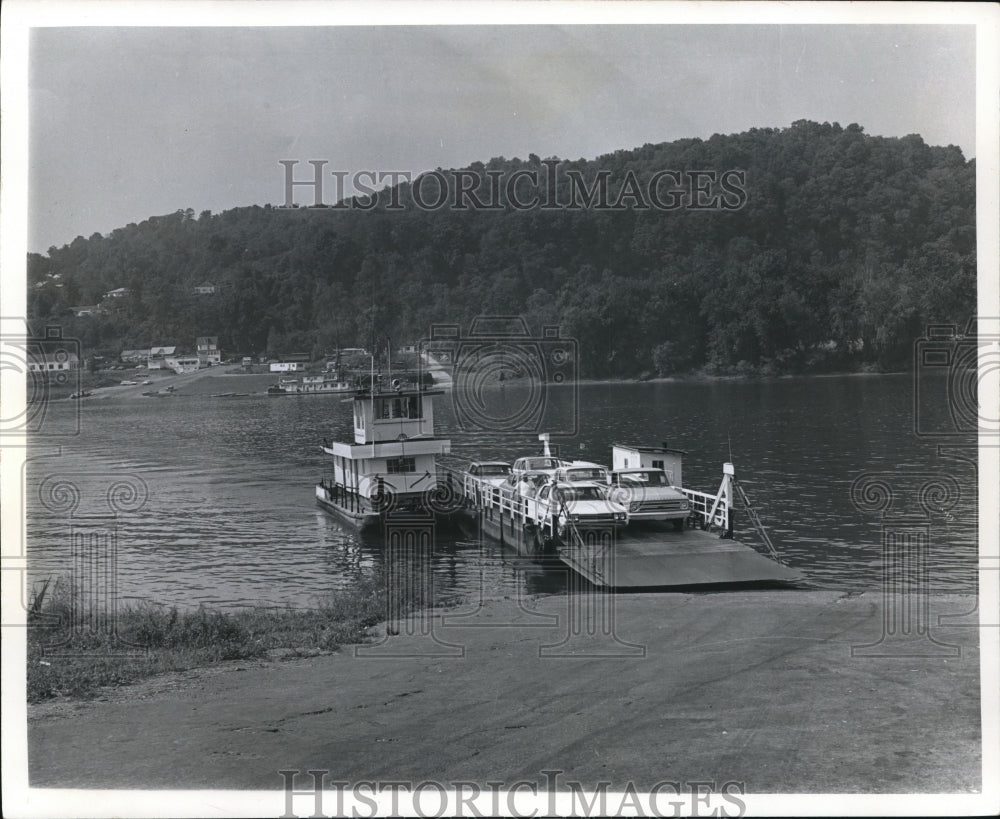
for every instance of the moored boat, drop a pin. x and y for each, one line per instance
(391, 466)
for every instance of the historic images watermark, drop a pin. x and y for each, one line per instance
(908, 503)
(956, 375)
(505, 380)
(46, 366)
(955, 388)
(547, 795)
(549, 184)
(50, 366)
(87, 625)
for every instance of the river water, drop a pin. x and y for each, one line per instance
(225, 515)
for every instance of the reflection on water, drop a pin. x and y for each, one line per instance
(230, 517)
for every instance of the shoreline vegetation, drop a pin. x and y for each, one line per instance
(74, 650)
(102, 381)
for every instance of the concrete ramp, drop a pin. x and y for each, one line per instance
(654, 558)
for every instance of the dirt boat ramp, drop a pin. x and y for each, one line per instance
(783, 691)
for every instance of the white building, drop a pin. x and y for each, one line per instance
(54, 361)
(157, 357)
(663, 457)
(182, 363)
(208, 350)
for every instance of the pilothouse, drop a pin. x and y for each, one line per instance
(391, 464)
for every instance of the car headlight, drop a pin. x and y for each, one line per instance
(619, 516)
(574, 518)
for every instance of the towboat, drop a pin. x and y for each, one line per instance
(391, 465)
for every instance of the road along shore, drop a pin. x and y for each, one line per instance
(783, 691)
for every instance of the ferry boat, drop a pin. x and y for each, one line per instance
(610, 544)
(391, 466)
(311, 385)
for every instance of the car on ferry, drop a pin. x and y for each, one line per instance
(536, 463)
(585, 505)
(649, 495)
(582, 472)
(495, 473)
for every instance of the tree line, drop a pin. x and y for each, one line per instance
(831, 249)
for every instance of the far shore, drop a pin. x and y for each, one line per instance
(190, 383)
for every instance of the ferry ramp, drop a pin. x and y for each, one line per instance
(656, 558)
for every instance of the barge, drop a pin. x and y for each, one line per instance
(641, 554)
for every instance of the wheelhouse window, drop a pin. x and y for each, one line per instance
(399, 466)
(391, 408)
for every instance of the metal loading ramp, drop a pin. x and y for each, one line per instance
(662, 558)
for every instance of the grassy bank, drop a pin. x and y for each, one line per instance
(149, 639)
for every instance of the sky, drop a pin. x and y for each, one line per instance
(128, 123)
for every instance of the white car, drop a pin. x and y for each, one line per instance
(537, 463)
(648, 495)
(495, 473)
(586, 505)
(582, 472)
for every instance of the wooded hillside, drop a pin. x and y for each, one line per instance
(845, 247)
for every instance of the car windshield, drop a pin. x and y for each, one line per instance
(580, 493)
(541, 463)
(494, 469)
(651, 477)
(589, 474)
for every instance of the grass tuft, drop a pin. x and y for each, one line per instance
(148, 639)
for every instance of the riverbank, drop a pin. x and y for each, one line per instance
(797, 691)
(64, 662)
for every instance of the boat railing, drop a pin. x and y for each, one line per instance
(500, 500)
(712, 510)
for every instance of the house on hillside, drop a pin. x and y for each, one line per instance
(208, 350)
(118, 293)
(87, 310)
(157, 357)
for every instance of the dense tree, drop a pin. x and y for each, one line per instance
(831, 249)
